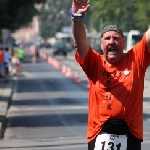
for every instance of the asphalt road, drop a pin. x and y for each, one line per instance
(49, 110)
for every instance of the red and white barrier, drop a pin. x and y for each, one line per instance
(77, 77)
(63, 69)
(55, 63)
(15, 65)
(68, 72)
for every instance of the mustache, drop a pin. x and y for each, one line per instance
(112, 47)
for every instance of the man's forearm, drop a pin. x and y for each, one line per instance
(80, 38)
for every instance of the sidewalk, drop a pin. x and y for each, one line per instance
(6, 87)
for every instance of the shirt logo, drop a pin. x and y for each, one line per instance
(126, 72)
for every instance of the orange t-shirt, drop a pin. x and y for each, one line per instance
(116, 92)
(1, 57)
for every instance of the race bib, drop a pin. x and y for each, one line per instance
(111, 142)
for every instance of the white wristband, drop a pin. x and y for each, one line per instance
(75, 16)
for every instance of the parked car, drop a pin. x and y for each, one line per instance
(45, 45)
(60, 48)
(97, 48)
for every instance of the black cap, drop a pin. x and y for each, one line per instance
(112, 28)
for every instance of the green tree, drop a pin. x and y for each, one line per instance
(128, 14)
(54, 16)
(142, 16)
(17, 13)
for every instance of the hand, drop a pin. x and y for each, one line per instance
(80, 6)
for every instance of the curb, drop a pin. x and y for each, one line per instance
(5, 101)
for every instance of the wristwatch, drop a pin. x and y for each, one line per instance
(75, 16)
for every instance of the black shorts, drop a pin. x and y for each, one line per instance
(119, 127)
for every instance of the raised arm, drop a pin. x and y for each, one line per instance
(79, 7)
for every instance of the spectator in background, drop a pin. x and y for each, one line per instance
(20, 54)
(15, 63)
(1, 62)
(37, 49)
(7, 61)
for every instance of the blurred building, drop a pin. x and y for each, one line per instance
(26, 34)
